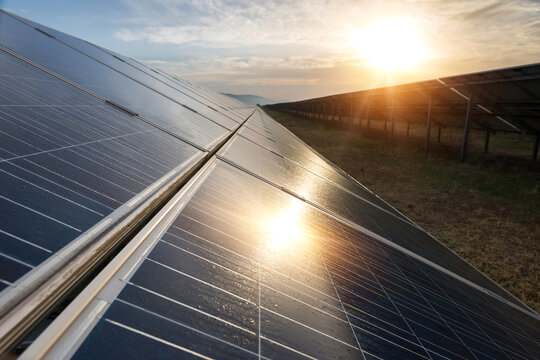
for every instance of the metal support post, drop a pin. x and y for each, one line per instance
(392, 118)
(466, 129)
(428, 129)
(367, 115)
(350, 116)
(535, 147)
(486, 142)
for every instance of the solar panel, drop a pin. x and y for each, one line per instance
(502, 100)
(214, 281)
(267, 251)
(173, 116)
(68, 160)
(150, 79)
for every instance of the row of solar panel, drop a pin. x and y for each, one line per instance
(232, 277)
(502, 100)
(81, 158)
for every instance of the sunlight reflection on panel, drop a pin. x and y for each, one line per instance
(285, 231)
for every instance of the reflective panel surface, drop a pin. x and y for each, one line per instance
(67, 160)
(175, 117)
(246, 270)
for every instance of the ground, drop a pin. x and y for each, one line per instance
(487, 209)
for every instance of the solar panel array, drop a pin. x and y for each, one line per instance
(506, 100)
(269, 251)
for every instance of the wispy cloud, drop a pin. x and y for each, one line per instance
(241, 23)
(306, 43)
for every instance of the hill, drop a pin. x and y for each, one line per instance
(254, 99)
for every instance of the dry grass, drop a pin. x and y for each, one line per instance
(487, 209)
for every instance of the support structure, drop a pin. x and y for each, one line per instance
(408, 125)
(535, 147)
(367, 115)
(392, 118)
(466, 129)
(350, 116)
(428, 128)
(486, 142)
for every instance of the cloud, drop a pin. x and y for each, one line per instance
(307, 44)
(240, 23)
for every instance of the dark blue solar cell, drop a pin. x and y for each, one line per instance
(25, 195)
(389, 322)
(205, 296)
(35, 227)
(26, 176)
(327, 323)
(205, 270)
(22, 250)
(174, 332)
(304, 339)
(11, 270)
(111, 341)
(383, 348)
(274, 350)
(213, 253)
(192, 317)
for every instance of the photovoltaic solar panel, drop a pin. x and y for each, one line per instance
(379, 220)
(269, 251)
(67, 160)
(180, 120)
(217, 283)
(152, 80)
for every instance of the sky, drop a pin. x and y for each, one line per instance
(291, 50)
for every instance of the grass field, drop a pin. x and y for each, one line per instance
(486, 209)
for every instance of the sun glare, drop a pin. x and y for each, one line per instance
(284, 231)
(391, 44)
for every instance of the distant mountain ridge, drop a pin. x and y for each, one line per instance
(253, 99)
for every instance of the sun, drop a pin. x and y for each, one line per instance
(393, 44)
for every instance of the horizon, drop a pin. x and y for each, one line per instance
(298, 51)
